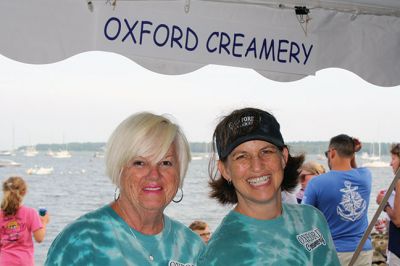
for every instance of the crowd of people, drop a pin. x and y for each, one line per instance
(285, 211)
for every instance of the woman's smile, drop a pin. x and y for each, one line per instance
(259, 181)
(255, 169)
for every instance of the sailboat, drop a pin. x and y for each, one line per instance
(100, 153)
(5, 153)
(12, 151)
(375, 161)
(8, 163)
(373, 157)
(61, 154)
(40, 170)
(31, 151)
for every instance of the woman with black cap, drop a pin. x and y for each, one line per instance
(254, 166)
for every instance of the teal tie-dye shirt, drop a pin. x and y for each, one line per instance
(300, 236)
(103, 238)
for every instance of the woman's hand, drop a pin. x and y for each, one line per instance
(380, 196)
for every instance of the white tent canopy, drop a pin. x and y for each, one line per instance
(176, 37)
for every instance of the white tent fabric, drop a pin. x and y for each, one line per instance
(176, 37)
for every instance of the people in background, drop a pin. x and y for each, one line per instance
(342, 195)
(392, 210)
(307, 171)
(146, 158)
(202, 229)
(18, 224)
(289, 197)
(254, 166)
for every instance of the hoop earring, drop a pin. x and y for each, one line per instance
(229, 182)
(117, 194)
(180, 199)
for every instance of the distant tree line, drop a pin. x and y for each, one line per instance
(73, 146)
(319, 147)
(308, 147)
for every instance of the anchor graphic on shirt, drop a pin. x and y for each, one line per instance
(352, 206)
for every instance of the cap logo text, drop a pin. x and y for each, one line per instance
(244, 121)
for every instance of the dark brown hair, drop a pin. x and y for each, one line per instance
(395, 149)
(344, 145)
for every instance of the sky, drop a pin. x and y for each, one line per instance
(83, 98)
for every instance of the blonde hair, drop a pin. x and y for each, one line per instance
(313, 168)
(14, 190)
(198, 225)
(148, 135)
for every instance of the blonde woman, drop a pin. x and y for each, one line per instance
(307, 171)
(146, 158)
(18, 224)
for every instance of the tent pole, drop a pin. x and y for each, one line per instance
(375, 218)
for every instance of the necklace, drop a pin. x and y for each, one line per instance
(137, 241)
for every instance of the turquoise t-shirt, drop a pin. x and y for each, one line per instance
(300, 236)
(102, 238)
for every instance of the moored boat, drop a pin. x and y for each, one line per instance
(40, 171)
(8, 163)
(62, 154)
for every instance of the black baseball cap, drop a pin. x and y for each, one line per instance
(245, 125)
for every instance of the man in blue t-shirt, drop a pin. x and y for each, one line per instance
(342, 195)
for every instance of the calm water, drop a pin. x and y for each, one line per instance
(78, 185)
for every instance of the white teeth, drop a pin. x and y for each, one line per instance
(258, 180)
(152, 188)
